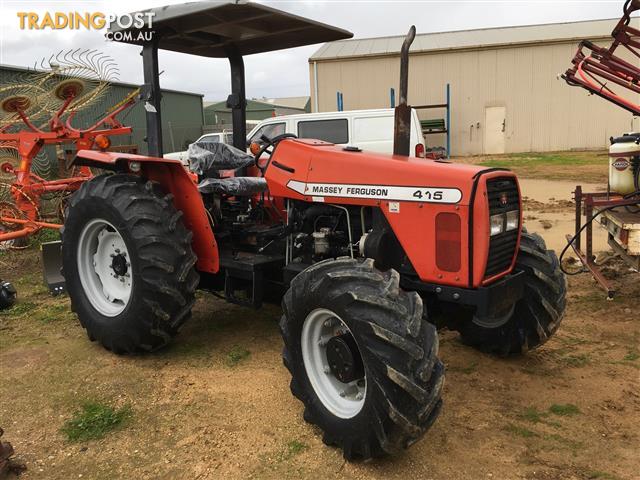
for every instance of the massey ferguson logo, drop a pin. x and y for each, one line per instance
(621, 164)
(503, 199)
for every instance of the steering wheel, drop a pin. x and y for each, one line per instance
(267, 143)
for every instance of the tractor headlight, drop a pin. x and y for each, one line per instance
(513, 219)
(496, 222)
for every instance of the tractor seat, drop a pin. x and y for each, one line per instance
(233, 186)
(208, 158)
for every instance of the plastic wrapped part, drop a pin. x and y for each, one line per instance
(241, 186)
(207, 158)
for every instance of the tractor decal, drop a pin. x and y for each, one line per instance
(377, 192)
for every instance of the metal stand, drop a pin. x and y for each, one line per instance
(593, 204)
(439, 126)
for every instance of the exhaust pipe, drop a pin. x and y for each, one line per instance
(402, 114)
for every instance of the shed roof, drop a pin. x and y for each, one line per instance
(210, 29)
(471, 39)
(17, 68)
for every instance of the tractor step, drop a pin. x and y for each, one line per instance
(52, 267)
(244, 273)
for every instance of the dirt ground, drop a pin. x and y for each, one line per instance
(200, 411)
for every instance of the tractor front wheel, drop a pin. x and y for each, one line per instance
(362, 360)
(128, 263)
(533, 319)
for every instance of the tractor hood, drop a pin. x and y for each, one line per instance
(320, 171)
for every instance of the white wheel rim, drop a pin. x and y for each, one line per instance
(104, 267)
(344, 400)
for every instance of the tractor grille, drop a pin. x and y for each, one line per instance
(502, 246)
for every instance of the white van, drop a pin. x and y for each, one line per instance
(370, 130)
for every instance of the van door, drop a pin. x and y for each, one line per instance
(494, 129)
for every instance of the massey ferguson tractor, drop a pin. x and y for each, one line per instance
(366, 252)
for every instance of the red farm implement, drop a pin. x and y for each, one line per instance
(38, 113)
(603, 72)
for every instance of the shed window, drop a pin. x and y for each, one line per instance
(334, 131)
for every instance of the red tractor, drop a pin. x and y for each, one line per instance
(366, 252)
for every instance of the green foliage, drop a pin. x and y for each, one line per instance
(237, 355)
(93, 421)
(43, 236)
(632, 356)
(595, 474)
(18, 309)
(520, 431)
(542, 159)
(295, 447)
(52, 313)
(576, 360)
(565, 410)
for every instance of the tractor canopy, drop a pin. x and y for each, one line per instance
(217, 30)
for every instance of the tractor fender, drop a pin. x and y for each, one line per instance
(174, 179)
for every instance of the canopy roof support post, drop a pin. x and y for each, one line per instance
(152, 97)
(237, 101)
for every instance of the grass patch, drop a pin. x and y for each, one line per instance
(531, 414)
(93, 421)
(520, 431)
(294, 447)
(43, 236)
(564, 410)
(237, 355)
(18, 309)
(572, 444)
(543, 159)
(596, 474)
(52, 313)
(632, 356)
(580, 360)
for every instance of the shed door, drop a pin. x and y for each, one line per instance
(494, 129)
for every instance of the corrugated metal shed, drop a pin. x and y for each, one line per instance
(469, 39)
(505, 93)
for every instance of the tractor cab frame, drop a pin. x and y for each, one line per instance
(217, 30)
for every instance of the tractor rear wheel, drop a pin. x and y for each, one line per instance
(128, 263)
(362, 360)
(533, 319)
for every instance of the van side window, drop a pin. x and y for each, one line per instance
(271, 130)
(334, 131)
(373, 129)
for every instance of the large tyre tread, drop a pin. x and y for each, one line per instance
(399, 348)
(164, 255)
(537, 315)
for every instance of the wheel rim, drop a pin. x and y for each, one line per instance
(104, 267)
(495, 321)
(344, 400)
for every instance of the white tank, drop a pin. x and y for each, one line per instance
(624, 162)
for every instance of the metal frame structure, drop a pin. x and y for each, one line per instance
(593, 70)
(218, 30)
(447, 120)
(593, 205)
